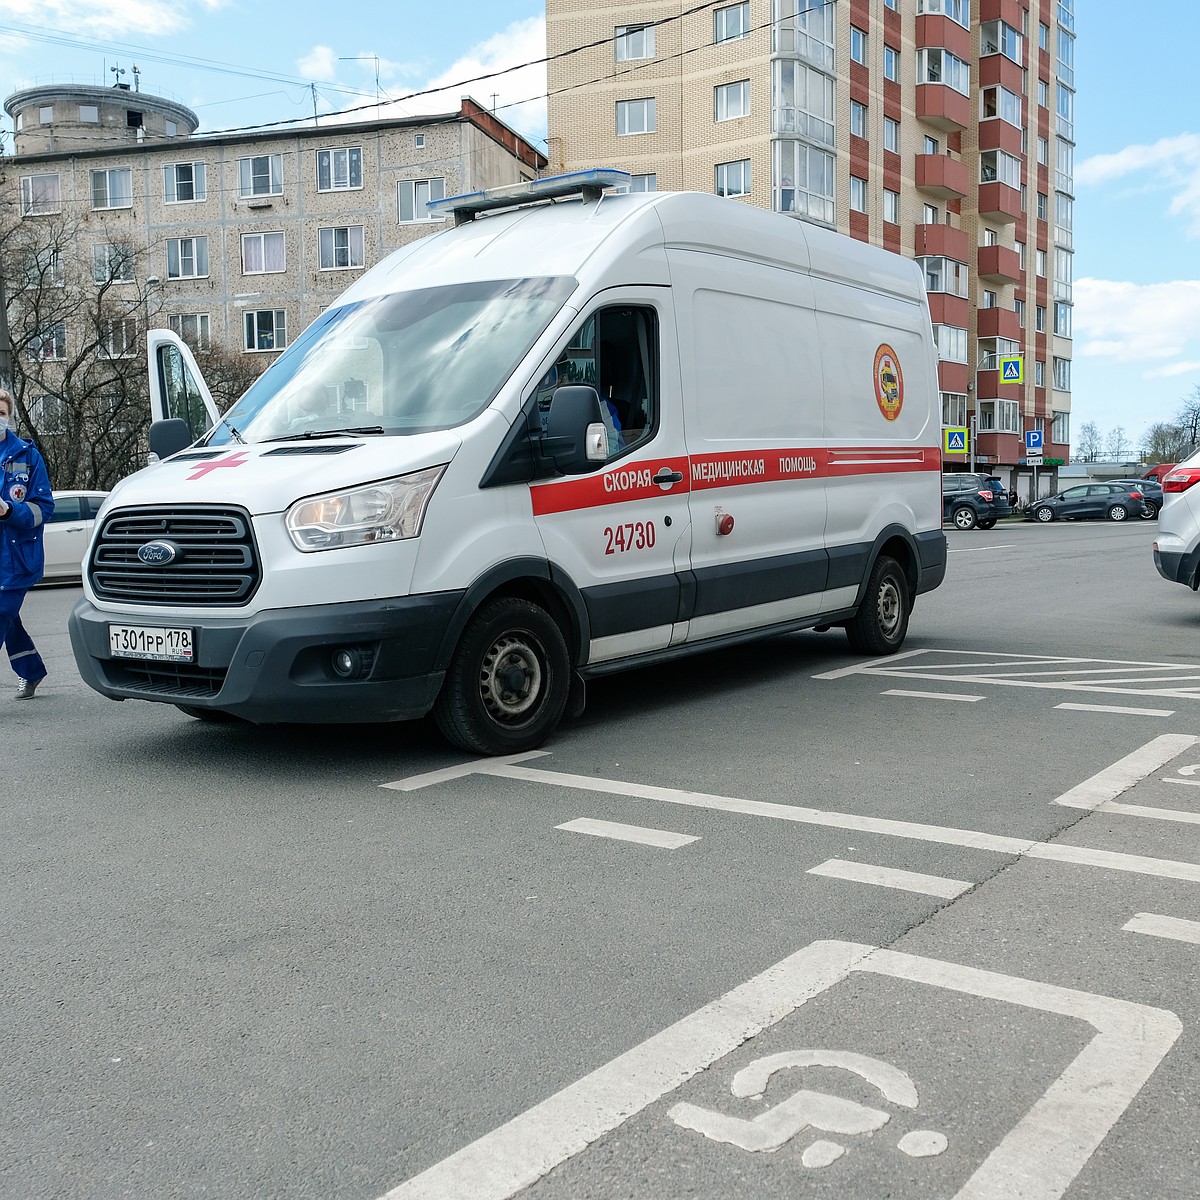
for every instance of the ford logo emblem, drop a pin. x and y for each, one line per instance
(157, 554)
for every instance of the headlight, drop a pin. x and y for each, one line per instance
(380, 512)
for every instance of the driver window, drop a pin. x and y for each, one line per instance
(615, 351)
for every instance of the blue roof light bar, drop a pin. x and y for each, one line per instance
(589, 184)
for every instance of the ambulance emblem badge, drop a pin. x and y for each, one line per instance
(889, 382)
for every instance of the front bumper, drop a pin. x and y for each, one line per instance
(276, 666)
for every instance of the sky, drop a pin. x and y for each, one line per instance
(1136, 330)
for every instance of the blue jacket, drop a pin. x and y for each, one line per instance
(25, 487)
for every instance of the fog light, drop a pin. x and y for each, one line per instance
(351, 662)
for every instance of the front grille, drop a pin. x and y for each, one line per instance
(165, 679)
(216, 559)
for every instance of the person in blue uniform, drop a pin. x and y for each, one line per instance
(25, 504)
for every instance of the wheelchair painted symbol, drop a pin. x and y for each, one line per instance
(811, 1110)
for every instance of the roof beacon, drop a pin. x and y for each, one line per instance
(589, 184)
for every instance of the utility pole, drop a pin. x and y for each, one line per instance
(5, 339)
(313, 88)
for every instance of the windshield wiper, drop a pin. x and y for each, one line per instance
(325, 433)
(237, 437)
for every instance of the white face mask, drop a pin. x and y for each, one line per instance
(5, 424)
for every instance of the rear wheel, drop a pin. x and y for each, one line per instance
(1117, 513)
(508, 683)
(881, 623)
(1044, 514)
(963, 517)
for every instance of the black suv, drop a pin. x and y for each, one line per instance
(970, 499)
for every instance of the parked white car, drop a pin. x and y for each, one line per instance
(68, 532)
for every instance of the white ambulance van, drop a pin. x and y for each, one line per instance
(574, 432)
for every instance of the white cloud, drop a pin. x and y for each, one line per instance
(1178, 368)
(106, 18)
(319, 64)
(1154, 325)
(1171, 164)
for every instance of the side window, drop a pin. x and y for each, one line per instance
(65, 509)
(615, 351)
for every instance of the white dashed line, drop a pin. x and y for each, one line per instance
(1116, 708)
(904, 881)
(1175, 928)
(628, 833)
(932, 695)
(1105, 786)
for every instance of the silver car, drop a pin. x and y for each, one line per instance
(1177, 547)
(68, 532)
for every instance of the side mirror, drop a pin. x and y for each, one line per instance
(169, 437)
(575, 438)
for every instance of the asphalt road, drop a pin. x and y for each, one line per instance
(236, 965)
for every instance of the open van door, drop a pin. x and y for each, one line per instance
(177, 389)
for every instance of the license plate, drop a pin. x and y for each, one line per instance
(153, 642)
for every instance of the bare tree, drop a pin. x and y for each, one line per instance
(1116, 445)
(1165, 442)
(1188, 421)
(1087, 442)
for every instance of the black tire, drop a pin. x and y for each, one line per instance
(963, 517)
(1150, 512)
(1043, 514)
(990, 523)
(881, 623)
(508, 682)
(213, 716)
(1118, 512)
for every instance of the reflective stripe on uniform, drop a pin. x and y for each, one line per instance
(37, 515)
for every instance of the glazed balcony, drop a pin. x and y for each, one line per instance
(942, 176)
(998, 264)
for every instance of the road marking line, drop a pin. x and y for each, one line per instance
(1116, 708)
(1039, 1157)
(942, 835)
(1175, 928)
(932, 695)
(1153, 814)
(628, 833)
(977, 549)
(471, 767)
(1105, 786)
(859, 668)
(905, 881)
(1184, 782)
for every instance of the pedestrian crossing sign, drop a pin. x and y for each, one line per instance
(954, 439)
(1012, 370)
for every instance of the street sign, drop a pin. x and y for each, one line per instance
(954, 439)
(1012, 369)
(1034, 439)
(1033, 460)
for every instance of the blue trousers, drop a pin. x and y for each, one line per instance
(22, 653)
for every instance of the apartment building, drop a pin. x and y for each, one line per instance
(940, 129)
(243, 237)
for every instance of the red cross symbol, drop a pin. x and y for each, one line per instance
(234, 460)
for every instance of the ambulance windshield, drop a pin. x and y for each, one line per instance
(409, 362)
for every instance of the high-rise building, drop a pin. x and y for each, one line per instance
(939, 129)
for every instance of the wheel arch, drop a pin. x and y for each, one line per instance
(897, 543)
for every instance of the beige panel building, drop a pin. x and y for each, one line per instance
(940, 129)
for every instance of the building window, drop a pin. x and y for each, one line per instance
(1064, 166)
(930, 145)
(1043, 94)
(112, 264)
(1062, 374)
(89, 114)
(50, 345)
(802, 102)
(989, 298)
(894, 5)
(1040, 262)
(1019, 309)
(634, 42)
(341, 247)
(731, 100)
(733, 178)
(46, 114)
(940, 66)
(263, 253)
(891, 63)
(1043, 151)
(996, 166)
(803, 180)
(990, 236)
(731, 23)
(184, 183)
(636, 116)
(261, 175)
(42, 267)
(339, 170)
(998, 37)
(170, 128)
(49, 416)
(956, 10)
(951, 343)
(944, 275)
(1039, 374)
(858, 119)
(1039, 318)
(415, 194)
(265, 330)
(929, 214)
(1043, 206)
(1065, 67)
(999, 416)
(1043, 36)
(891, 135)
(1060, 425)
(643, 183)
(1000, 102)
(118, 339)
(112, 188)
(1064, 266)
(954, 409)
(891, 207)
(858, 194)
(193, 328)
(1021, 255)
(187, 258)
(858, 45)
(805, 27)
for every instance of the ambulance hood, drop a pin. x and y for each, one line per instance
(267, 477)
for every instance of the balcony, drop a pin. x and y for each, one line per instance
(940, 105)
(942, 176)
(998, 322)
(942, 239)
(989, 387)
(996, 68)
(936, 30)
(953, 377)
(1000, 203)
(1000, 447)
(999, 264)
(1008, 11)
(998, 134)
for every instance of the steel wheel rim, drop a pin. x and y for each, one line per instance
(889, 608)
(511, 677)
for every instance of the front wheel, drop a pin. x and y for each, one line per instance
(1117, 513)
(1044, 514)
(990, 523)
(881, 623)
(963, 518)
(508, 683)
